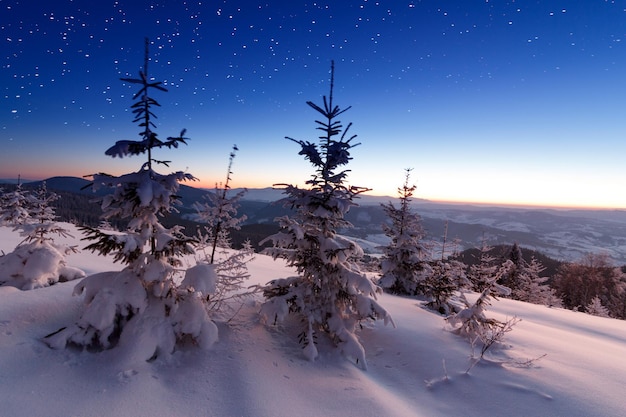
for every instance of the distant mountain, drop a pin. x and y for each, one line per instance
(267, 195)
(70, 184)
(561, 234)
(13, 180)
(272, 194)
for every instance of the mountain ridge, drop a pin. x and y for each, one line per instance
(559, 233)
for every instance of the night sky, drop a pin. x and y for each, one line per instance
(520, 102)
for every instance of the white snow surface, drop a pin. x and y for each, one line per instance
(416, 369)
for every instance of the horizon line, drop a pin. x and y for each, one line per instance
(415, 199)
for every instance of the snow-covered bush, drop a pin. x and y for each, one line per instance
(231, 269)
(142, 306)
(330, 293)
(404, 262)
(472, 322)
(37, 261)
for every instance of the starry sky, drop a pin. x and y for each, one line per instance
(505, 102)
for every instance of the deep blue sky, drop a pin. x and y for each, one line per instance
(488, 101)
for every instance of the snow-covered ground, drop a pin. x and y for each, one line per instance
(555, 363)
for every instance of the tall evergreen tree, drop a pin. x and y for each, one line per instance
(404, 263)
(142, 305)
(329, 293)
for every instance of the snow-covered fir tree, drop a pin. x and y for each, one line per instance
(482, 273)
(14, 207)
(533, 288)
(513, 279)
(38, 261)
(596, 308)
(141, 307)
(525, 280)
(447, 277)
(488, 266)
(330, 293)
(404, 263)
(41, 216)
(219, 214)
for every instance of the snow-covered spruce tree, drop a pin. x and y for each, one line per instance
(404, 265)
(330, 294)
(524, 281)
(513, 279)
(220, 215)
(14, 207)
(531, 287)
(446, 278)
(141, 308)
(595, 308)
(220, 212)
(37, 261)
(481, 274)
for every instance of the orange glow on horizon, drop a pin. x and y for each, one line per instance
(34, 174)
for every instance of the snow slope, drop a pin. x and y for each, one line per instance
(416, 369)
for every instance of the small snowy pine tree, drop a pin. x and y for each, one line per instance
(37, 261)
(482, 273)
(532, 287)
(446, 278)
(514, 278)
(595, 308)
(14, 207)
(220, 215)
(404, 266)
(41, 217)
(330, 294)
(141, 307)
